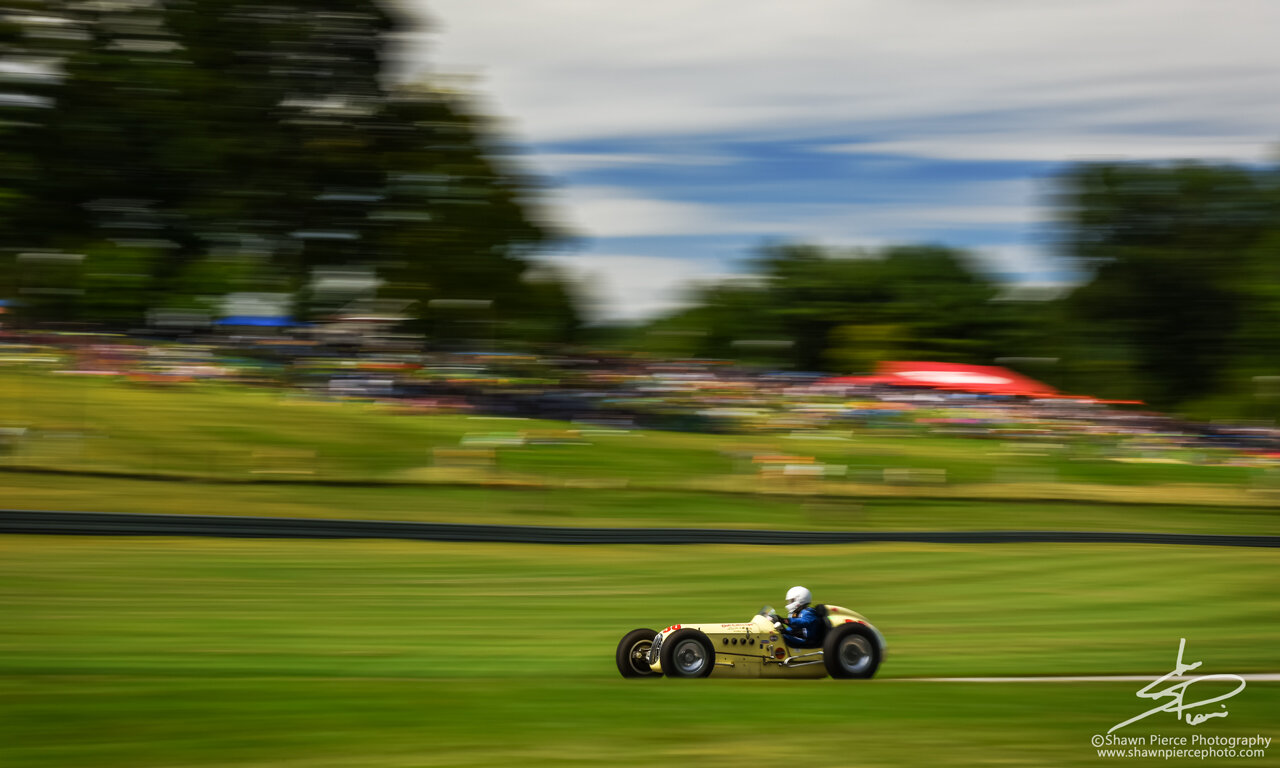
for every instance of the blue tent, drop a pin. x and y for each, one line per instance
(261, 321)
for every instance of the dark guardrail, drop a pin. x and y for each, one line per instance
(131, 524)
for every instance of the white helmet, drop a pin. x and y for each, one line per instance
(797, 598)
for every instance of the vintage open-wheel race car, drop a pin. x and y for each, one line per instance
(851, 648)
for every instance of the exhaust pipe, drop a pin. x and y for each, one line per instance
(795, 661)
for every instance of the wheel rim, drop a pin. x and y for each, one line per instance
(690, 657)
(639, 656)
(855, 653)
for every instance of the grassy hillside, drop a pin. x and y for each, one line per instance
(87, 424)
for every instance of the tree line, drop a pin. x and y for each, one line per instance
(163, 155)
(1179, 303)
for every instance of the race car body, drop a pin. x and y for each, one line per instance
(851, 648)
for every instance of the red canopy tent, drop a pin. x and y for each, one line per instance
(955, 377)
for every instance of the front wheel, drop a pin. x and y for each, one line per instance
(687, 653)
(851, 651)
(633, 653)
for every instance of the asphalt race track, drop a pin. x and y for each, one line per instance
(227, 526)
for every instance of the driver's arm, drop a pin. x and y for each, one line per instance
(801, 628)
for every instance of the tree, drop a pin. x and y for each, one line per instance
(919, 302)
(847, 311)
(1182, 273)
(193, 128)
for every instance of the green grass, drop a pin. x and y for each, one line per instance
(141, 723)
(616, 507)
(235, 433)
(160, 652)
(177, 606)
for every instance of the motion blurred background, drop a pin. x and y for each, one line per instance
(828, 267)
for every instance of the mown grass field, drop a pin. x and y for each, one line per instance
(164, 652)
(306, 722)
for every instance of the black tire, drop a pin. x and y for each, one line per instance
(687, 653)
(633, 653)
(851, 652)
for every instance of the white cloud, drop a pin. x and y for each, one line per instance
(557, 163)
(1021, 263)
(603, 212)
(629, 287)
(581, 69)
(619, 212)
(906, 218)
(1060, 148)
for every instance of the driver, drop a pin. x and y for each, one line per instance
(804, 627)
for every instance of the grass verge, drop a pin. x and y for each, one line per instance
(617, 507)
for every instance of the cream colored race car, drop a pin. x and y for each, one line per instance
(851, 648)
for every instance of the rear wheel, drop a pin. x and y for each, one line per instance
(687, 653)
(633, 653)
(851, 651)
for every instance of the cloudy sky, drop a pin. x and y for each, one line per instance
(681, 134)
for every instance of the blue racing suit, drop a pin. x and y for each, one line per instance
(806, 629)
